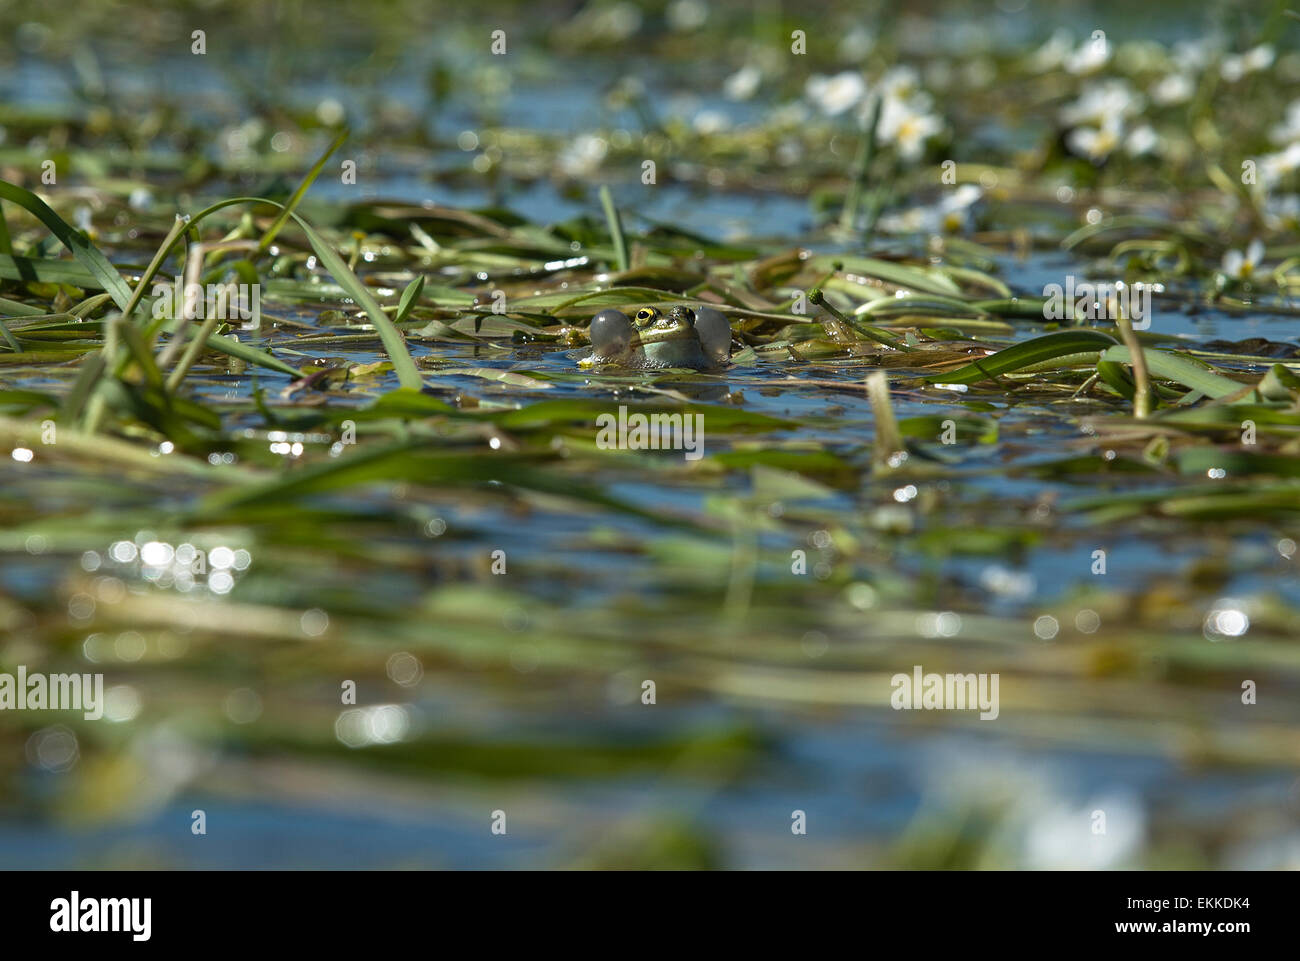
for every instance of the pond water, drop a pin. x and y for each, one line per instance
(771, 695)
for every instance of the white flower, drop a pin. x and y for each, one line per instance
(901, 83)
(1173, 89)
(330, 112)
(952, 214)
(1097, 143)
(1289, 129)
(583, 156)
(907, 124)
(1274, 166)
(1260, 58)
(1243, 267)
(1143, 140)
(834, 95)
(1109, 98)
(742, 84)
(1090, 57)
(1058, 837)
(1238, 65)
(1052, 53)
(710, 121)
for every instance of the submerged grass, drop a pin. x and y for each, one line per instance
(906, 462)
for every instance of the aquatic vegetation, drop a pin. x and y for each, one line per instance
(849, 268)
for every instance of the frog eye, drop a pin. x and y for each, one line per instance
(714, 331)
(610, 332)
(646, 314)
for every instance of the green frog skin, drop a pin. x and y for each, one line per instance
(699, 339)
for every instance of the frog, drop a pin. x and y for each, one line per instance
(698, 338)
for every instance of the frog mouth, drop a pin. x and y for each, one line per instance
(666, 331)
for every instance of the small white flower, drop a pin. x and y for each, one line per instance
(908, 125)
(900, 83)
(955, 210)
(330, 112)
(583, 156)
(1053, 53)
(1260, 58)
(1237, 66)
(742, 84)
(952, 214)
(834, 95)
(1143, 140)
(1109, 98)
(1089, 58)
(1274, 166)
(1097, 143)
(1288, 130)
(1172, 89)
(710, 121)
(1241, 267)
(1054, 840)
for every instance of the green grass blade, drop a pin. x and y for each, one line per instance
(1180, 369)
(900, 275)
(87, 253)
(615, 228)
(394, 343)
(888, 440)
(48, 271)
(1031, 352)
(307, 181)
(410, 297)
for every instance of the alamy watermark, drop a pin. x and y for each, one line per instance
(946, 692)
(53, 692)
(200, 301)
(1107, 301)
(76, 914)
(638, 431)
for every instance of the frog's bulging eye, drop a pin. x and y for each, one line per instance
(683, 315)
(645, 315)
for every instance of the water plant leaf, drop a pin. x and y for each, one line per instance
(96, 264)
(1031, 352)
(1178, 368)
